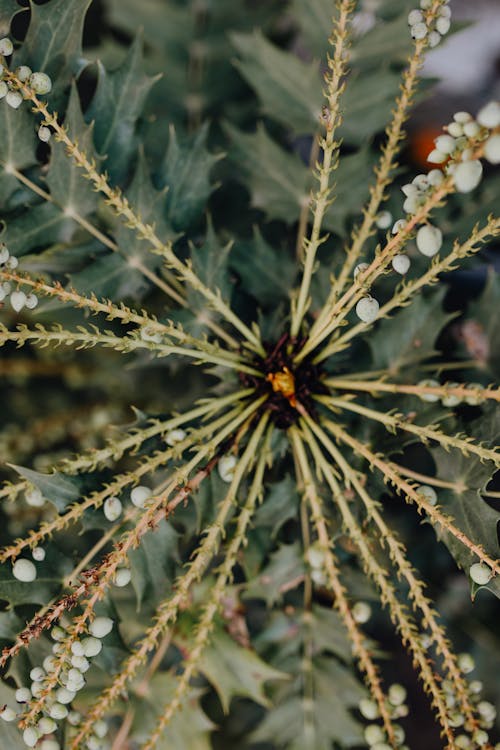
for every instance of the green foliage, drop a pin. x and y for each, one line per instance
(191, 232)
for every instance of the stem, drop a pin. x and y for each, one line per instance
(337, 69)
(206, 623)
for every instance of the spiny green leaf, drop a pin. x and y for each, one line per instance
(42, 224)
(189, 728)
(53, 43)
(266, 271)
(116, 107)
(186, 172)
(287, 87)
(210, 265)
(58, 489)
(410, 335)
(284, 570)
(236, 671)
(67, 183)
(335, 690)
(469, 511)
(276, 179)
(152, 564)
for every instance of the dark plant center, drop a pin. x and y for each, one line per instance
(286, 384)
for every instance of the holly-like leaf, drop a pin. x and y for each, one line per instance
(409, 336)
(277, 180)
(53, 43)
(281, 505)
(236, 671)
(266, 271)
(67, 183)
(287, 87)
(485, 317)
(186, 173)
(470, 512)
(284, 571)
(116, 107)
(210, 265)
(57, 488)
(332, 721)
(152, 564)
(8, 9)
(189, 728)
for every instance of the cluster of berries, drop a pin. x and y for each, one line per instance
(39, 82)
(71, 681)
(375, 735)
(18, 299)
(427, 26)
(453, 147)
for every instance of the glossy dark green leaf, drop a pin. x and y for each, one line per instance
(53, 43)
(152, 564)
(236, 671)
(116, 108)
(186, 173)
(58, 489)
(409, 336)
(67, 183)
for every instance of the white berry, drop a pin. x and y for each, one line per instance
(368, 709)
(492, 149)
(58, 712)
(65, 696)
(100, 627)
(489, 115)
(17, 300)
(436, 156)
(443, 25)
(122, 577)
(23, 695)
(37, 674)
(6, 47)
(361, 612)
(47, 725)
(374, 734)
(467, 175)
(8, 714)
(34, 498)
(31, 736)
(175, 436)
(14, 99)
(4, 89)
(140, 495)
(419, 31)
(226, 467)
(24, 570)
(475, 398)
(397, 694)
(40, 83)
(50, 745)
(429, 397)
(23, 72)
(427, 493)
(367, 309)
(429, 240)
(38, 554)
(480, 573)
(112, 508)
(446, 144)
(383, 220)
(91, 646)
(44, 133)
(401, 263)
(360, 268)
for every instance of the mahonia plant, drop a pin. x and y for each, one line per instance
(215, 571)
